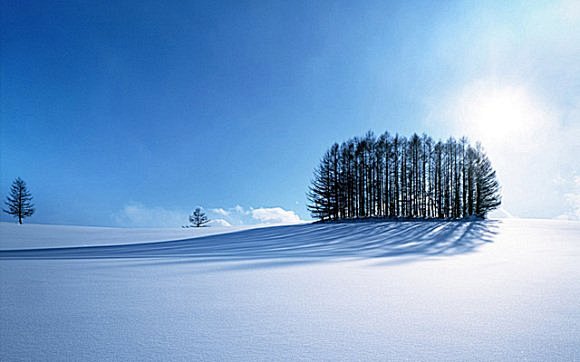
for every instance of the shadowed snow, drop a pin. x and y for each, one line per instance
(308, 241)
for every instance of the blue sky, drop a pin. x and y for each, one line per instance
(130, 113)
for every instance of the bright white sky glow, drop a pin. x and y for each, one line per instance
(519, 95)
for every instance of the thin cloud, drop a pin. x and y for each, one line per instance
(239, 215)
(139, 215)
(220, 211)
(240, 210)
(275, 215)
(219, 222)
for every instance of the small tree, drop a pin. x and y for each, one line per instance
(19, 201)
(198, 218)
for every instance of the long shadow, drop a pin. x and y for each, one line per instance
(295, 244)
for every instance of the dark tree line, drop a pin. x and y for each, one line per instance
(392, 176)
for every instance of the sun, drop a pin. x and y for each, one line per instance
(493, 114)
(500, 114)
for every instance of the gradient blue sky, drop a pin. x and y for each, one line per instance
(130, 113)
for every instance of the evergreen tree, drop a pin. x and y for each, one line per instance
(19, 201)
(488, 191)
(198, 218)
(399, 177)
(320, 192)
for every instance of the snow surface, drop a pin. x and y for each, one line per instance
(480, 290)
(34, 236)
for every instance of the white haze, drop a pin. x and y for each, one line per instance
(517, 91)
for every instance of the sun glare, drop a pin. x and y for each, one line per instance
(495, 115)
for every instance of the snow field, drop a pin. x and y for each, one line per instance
(494, 290)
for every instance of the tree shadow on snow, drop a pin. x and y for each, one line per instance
(294, 244)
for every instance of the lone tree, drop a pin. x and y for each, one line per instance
(19, 201)
(198, 218)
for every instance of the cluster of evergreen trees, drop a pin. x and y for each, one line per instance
(392, 176)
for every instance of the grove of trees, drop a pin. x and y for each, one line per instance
(397, 177)
(19, 201)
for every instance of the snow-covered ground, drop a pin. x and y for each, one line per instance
(493, 290)
(34, 236)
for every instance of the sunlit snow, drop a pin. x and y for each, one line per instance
(484, 290)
